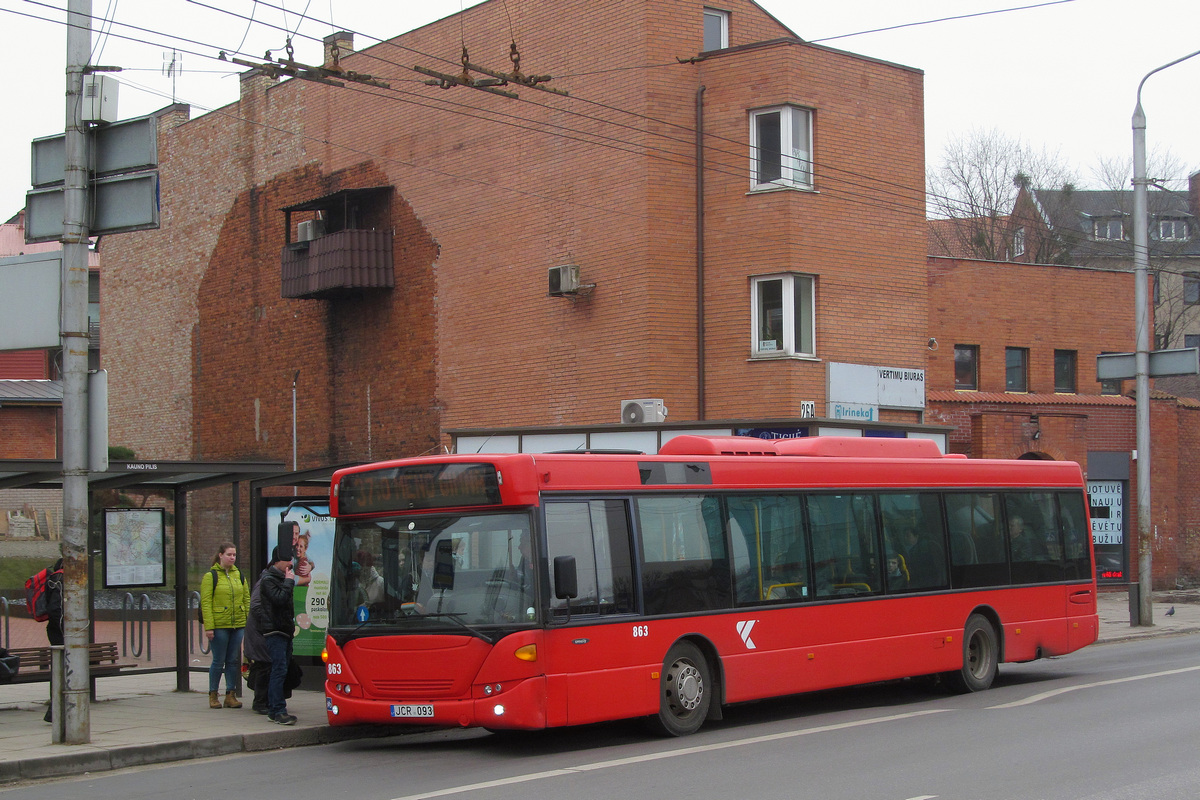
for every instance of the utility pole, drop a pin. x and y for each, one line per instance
(75, 722)
(1141, 258)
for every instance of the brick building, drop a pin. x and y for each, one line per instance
(725, 296)
(1014, 374)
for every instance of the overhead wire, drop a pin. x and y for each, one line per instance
(851, 196)
(601, 140)
(904, 192)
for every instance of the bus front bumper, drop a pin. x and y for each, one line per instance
(520, 705)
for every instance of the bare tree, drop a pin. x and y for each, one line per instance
(976, 186)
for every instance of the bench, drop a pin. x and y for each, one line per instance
(35, 662)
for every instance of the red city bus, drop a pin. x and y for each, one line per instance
(523, 591)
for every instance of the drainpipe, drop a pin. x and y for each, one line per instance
(700, 410)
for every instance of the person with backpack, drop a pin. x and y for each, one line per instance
(44, 595)
(224, 604)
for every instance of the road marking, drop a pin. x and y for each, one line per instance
(641, 759)
(1037, 698)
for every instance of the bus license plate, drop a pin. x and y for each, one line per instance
(413, 710)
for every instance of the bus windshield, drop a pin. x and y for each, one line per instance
(436, 570)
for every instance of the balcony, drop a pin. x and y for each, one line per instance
(339, 262)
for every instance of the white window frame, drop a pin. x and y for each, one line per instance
(1102, 229)
(796, 330)
(722, 19)
(796, 162)
(1168, 229)
(1018, 243)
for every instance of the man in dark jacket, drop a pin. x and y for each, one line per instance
(274, 619)
(254, 645)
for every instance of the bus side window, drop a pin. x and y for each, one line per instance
(683, 549)
(912, 529)
(1034, 537)
(770, 554)
(596, 533)
(976, 540)
(844, 542)
(1075, 534)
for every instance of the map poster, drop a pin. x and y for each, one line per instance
(135, 549)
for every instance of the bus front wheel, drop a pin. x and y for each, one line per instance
(685, 691)
(981, 656)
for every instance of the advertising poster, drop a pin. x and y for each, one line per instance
(312, 546)
(1107, 501)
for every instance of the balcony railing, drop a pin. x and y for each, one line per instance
(347, 260)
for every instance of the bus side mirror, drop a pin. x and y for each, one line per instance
(566, 584)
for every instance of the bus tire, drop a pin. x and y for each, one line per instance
(981, 657)
(685, 691)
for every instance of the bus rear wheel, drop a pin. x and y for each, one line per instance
(981, 657)
(685, 691)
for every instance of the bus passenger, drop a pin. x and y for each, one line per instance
(1018, 540)
(897, 578)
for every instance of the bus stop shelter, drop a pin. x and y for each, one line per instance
(180, 479)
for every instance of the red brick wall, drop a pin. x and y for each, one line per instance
(995, 305)
(1188, 450)
(249, 341)
(29, 432)
(491, 193)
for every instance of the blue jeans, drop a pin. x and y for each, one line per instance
(280, 649)
(226, 650)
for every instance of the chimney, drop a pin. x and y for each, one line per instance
(337, 46)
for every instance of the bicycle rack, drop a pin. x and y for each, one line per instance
(194, 603)
(141, 633)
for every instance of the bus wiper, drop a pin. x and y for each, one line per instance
(453, 616)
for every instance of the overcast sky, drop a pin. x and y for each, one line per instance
(1061, 76)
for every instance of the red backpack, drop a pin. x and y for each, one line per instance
(37, 588)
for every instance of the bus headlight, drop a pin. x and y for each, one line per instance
(498, 710)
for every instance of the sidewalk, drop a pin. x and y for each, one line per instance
(141, 719)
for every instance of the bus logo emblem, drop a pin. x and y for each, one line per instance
(743, 628)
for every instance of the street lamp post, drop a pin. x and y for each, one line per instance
(1141, 233)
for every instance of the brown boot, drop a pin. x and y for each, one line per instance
(231, 700)
(213, 700)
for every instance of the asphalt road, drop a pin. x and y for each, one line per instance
(1106, 723)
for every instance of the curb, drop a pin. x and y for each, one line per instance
(88, 758)
(1131, 637)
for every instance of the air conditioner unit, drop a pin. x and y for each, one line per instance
(563, 280)
(641, 411)
(310, 229)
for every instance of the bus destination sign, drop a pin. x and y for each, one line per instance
(418, 486)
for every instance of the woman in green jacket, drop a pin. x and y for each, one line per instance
(224, 602)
